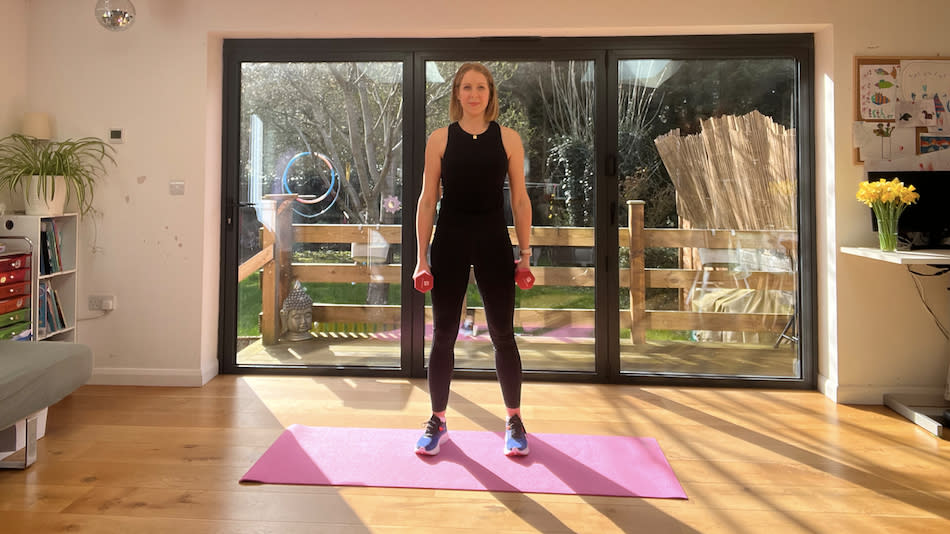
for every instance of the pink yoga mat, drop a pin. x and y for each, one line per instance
(558, 463)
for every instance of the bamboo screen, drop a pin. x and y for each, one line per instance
(738, 173)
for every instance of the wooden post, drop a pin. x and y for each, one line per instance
(269, 314)
(276, 279)
(638, 290)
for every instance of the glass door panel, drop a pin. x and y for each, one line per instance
(710, 148)
(551, 105)
(321, 212)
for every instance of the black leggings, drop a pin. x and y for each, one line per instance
(487, 249)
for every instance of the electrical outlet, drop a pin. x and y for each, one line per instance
(102, 302)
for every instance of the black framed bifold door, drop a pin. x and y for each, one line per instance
(551, 100)
(713, 176)
(671, 189)
(314, 202)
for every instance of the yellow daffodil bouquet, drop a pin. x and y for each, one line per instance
(888, 200)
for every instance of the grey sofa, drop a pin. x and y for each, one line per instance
(34, 376)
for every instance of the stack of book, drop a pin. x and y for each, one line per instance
(49, 316)
(51, 260)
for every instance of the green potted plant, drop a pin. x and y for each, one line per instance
(50, 173)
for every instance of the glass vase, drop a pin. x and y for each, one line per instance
(887, 233)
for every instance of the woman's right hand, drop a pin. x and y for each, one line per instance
(422, 277)
(422, 266)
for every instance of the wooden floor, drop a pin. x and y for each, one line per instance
(168, 460)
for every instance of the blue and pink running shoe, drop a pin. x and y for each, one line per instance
(435, 433)
(516, 439)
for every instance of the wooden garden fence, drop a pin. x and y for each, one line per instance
(278, 272)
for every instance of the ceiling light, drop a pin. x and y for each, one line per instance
(115, 15)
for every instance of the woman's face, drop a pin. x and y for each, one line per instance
(474, 93)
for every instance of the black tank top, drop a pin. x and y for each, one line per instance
(473, 176)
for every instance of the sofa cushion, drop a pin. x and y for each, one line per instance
(36, 375)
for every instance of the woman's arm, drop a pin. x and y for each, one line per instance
(520, 203)
(431, 192)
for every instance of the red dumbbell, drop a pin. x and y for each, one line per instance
(423, 281)
(524, 278)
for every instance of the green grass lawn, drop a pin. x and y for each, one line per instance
(249, 306)
(249, 299)
(249, 302)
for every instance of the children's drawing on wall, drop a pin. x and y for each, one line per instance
(883, 140)
(940, 112)
(878, 91)
(926, 84)
(915, 112)
(901, 112)
(932, 161)
(906, 114)
(884, 132)
(932, 142)
(925, 110)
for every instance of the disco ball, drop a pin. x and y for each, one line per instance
(115, 15)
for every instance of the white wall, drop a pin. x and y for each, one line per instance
(881, 340)
(146, 247)
(161, 82)
(13, 17)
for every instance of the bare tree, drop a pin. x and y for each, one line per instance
(569, 110)
(351, 113)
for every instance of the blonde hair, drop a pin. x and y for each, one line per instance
(455, 108)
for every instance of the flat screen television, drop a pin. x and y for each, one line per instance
(925, 224)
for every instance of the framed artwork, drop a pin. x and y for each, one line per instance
(876, 84)
(932, 142)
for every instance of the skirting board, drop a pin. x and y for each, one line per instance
(828, 387)
(874, 395)
(868, 394)
(132, 376)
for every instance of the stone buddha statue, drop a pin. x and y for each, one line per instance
(296, 315)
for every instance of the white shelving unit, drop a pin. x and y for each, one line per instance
(63, 280)
(926, 411)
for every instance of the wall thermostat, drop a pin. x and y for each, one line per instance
(115, 135)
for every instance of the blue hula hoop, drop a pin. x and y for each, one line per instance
(333, 181)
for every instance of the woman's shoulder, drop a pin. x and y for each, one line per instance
(507, 132)
(509, 136)
(440, 132)
(438, 140)
(439, 135)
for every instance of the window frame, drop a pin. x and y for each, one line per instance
(605, 52)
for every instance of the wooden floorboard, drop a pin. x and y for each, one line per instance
(137, 459)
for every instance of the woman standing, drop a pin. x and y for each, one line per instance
(465, 166)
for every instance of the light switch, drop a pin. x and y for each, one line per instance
(176, 187)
